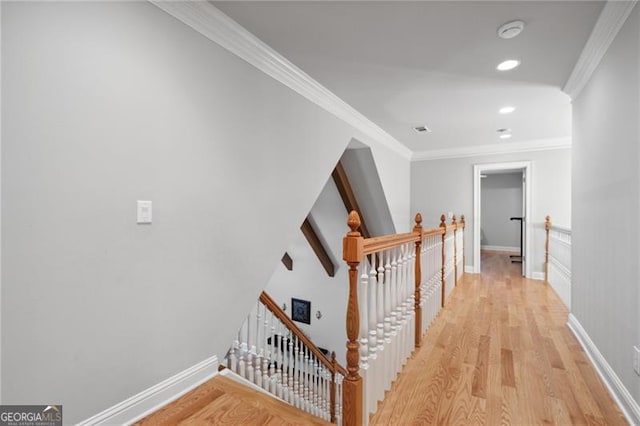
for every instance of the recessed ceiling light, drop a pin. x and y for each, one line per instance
(505, 136)
(510, 29)
(422, 129)
(506, 110)
(507, 65)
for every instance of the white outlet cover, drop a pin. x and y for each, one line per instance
(144, 212)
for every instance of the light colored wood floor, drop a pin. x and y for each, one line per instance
(222, 401)
(500, 353)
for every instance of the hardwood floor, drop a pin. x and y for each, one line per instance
(222, 401)
(499, 353)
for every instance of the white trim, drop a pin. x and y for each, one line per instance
(1, 400)
(560, 282)
(560, 267)
(238, 378)
(537, 275)
(479, 169)
(468, 269)
(611, 19)
(501, 248)
(503, 148)
(212, 23)
(157, 396)
(618, 391)
(563, 229)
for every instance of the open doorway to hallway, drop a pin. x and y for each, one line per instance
(501, 207)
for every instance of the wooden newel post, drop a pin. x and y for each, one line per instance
(418, 309)
(352, 253)
(443, 225)
(455, 250)
(547, 227)
(332, 390)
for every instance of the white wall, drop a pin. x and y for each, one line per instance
(309, 281)
(367, 188)
(501, 200)
(108, 103)
(440, 186)
(606, 193)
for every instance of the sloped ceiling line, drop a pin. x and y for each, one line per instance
(212, 23)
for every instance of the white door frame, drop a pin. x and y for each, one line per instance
(478, 169)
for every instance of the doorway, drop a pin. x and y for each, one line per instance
(523, 170)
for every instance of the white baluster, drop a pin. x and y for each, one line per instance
(362, 302)
(372, 315)
(280, 361)
(387, 319)
(394, 312)
(307, 380)
(380, 321)
(290, 370)
(296, 373)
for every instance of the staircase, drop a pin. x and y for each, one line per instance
(275, 374)
(225, 400)
(397, 285)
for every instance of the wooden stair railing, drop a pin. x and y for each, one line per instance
(274, 354)
(397, 285)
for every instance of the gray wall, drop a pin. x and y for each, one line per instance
(606, 184)
(108, 103)
(447, 185)
(501, 200)
(309, 281)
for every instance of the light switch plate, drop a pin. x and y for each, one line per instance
(145, 212)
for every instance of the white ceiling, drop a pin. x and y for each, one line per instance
(403, 64)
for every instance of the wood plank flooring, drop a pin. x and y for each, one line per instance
(500, 353)
(222, 401)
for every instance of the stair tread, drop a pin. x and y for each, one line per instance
(222, 401)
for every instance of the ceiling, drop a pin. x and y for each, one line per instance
(433, 63)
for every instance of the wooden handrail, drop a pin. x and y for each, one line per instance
(279, 313)
(432, 232)
(376, 244)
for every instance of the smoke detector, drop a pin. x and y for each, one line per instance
(510, 29)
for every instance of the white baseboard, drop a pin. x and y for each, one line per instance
(618, 391)
(537, 276)
(150, 400)
(501, 248)
(469, 269)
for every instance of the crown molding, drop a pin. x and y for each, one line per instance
(506, 148)
(212, 23)
(611, 19)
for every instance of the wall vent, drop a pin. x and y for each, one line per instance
(422, 129)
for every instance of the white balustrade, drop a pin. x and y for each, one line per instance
(559, 262)
(272, 356)
(449, 278)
